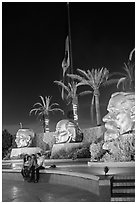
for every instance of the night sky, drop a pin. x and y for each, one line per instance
(33, 40)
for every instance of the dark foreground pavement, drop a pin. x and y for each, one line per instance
(20, 191)
(14, 190)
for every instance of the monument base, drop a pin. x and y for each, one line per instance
(16, 152)
(64, 146)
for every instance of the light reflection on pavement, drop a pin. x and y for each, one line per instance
(20, 191)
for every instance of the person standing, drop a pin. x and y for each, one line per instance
(40, 160)
(33, 169)
(26, 167)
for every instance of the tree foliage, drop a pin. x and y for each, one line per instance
(127, 81)
(6, 139)
(94, 78)
(44, 108)
(6, 142)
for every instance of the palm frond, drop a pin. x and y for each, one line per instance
(71, 86)
(72, 89)
(127, 69)
(99, 76)
(75, 76)
(90, 81)
(57, 109)
(41, 113)
(103, 77)
(109, 82)
(83, 83)
(48, 99)
(37, 104)
(60, 83)
(122, 80)
(85, 93)
(131, 53)
(54, 104)
(96, 75)
(42, 98)
(105, 74)
(83, 73)
(34, 110)
(91, 77)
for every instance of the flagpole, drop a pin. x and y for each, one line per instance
(67, 63)
(70, 44)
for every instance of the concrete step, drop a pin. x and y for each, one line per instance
(124, 184)
(124, 195)
(123, 190)
(122, 199)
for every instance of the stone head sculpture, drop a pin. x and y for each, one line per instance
(24, 137)
(121, 115)
(67, 131)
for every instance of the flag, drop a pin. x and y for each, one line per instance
(66, 60)
(65, 63)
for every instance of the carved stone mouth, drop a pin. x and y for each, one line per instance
(111, 126)
(128, 132)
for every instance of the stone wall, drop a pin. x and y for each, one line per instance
(92, 134)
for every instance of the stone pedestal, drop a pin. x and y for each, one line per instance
(16, 152)
(64, 146)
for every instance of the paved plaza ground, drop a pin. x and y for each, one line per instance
(14, 190)
(20, 191)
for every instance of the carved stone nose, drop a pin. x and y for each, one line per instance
(107, 117)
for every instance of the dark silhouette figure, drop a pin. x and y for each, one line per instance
(106, 169)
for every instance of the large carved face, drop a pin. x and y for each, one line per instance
(65, 131)
(120, 118)
(24, 137)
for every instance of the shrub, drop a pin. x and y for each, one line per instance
(74, 153)
(6, 142)
(96, 151)
(82, 152)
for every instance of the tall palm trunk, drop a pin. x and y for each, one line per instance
(75, 109)
(98, 117)
(75, 112)
(43, 123)
(47, 124)
(92, 110)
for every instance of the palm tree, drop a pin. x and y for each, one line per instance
(72, 95)
(128, 79)
(43, 109)
(95, 79)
